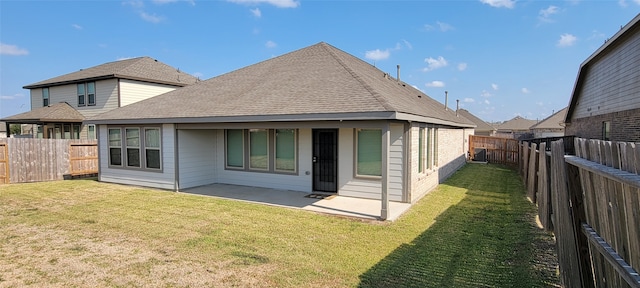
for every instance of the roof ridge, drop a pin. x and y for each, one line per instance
(366, 86)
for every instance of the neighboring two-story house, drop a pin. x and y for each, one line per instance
(605, 103)
(60, 105)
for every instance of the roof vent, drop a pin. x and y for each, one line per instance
(398, 72)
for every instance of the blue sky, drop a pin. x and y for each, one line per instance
(500, 58)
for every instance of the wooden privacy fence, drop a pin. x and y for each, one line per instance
(592, 203)
(496, 150)
(35, 160)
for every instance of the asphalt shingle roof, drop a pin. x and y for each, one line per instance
(141, 68)
(59, 112)
(555, 121)
(480, 124)
(319, 79)
(517, 124)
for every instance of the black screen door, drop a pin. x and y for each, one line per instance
(325, 160)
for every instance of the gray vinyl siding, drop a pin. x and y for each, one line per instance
(164, 179)
(298, 182)
(132, 91)
(611, 81)
(352, 186)
(197, 157)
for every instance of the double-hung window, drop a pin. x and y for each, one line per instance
(152, 148)
(142, 147)
(285, 150)
(115, 146)
(133, 147)
(369, 152)
(86, 94)
(235, 148)
(259, 149)
(45, 97)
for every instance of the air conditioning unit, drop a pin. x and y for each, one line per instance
(480, 154)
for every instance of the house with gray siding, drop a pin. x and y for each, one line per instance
(60, 105)
(313, 120)
(605, 103)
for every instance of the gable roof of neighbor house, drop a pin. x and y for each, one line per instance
(480, 124)
(141, 69)
(632, 27)
(517, 124)
(319, 82)
(555, 121)
(59, 112)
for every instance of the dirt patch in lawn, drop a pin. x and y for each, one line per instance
(46, 256)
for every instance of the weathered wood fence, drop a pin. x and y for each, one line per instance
(498, 150)
(592, 203)
(35, 160)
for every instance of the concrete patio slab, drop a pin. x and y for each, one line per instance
(337, 205)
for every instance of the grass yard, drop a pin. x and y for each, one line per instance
(476, 230)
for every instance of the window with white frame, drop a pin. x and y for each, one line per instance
(262, 150)
(86, 94)
(142, 147)
(369, 152)
(91, 131)
(115, 146)
(133, 146)
(45, 97)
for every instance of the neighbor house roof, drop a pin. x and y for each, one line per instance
(318, 82)
(480, 124)
(517, 124)
(3, 127)
(141, 68)
(610, 44)
(555, 121)
(59, 112)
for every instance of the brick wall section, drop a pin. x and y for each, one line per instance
(452, 150)
(625, 126)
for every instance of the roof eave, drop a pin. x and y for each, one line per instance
(105, 77)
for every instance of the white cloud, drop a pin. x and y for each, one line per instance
(435, 84)
(500, 3)
(377, 54)
(11, 97)
(443, 27)
(134, 3)
(270, 44)
(192, 2)
(525, 90)
(407, 44)
(485, 94)
(468, 100)
(153, 18)
(76, 26)
(6, 49)
(566, 40)
(623, 3)
(462, 66)
(277, 3)
(494, 86)
(545, 14)
(256, 12)
(486, 101)
(434, 64)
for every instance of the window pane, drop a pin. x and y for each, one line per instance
(91, 88)
(81, 100)
(81, 95)
(45, 97)
(369, 152)
(286, 149)
(235, 148)
(76, 131)
(133, 137)
(133, 157)
(435, 147)
(420, 150)
(258, 148)
(153, 158)
(81, 89)
(67, 131)
(91, 131)
(92, 99)
(114, 137)
(152, 138)
(115, 156)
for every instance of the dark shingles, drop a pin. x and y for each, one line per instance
(59, 112)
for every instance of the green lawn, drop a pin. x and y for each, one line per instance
(476, 230)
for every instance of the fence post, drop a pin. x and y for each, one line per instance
(533, 169)
(575, 264)
(544, 198)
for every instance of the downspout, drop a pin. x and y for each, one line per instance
(386, 138)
